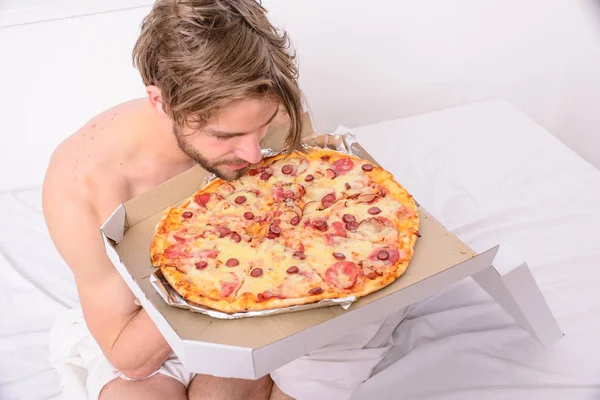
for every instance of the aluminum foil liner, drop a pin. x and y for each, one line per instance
(172, 298)
(341, 140)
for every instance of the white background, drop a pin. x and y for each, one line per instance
(361, 62)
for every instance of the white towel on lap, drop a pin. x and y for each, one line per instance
(335, 371)
(82, 367)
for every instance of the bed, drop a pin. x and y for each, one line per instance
(489, 174)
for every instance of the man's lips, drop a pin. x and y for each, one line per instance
(236, 166)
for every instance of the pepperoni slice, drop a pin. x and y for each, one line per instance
(331, 174)
(269, 295)
(232, 262)
(277, 193)
(248, 215)
(328, 199)
(383, 255)
(299, 255)
(228, 287)
(235, 237)
(342, 166)
(201, 264)
(175, 250)
(315, 290)
(342, 274)
(240, 200)
(339, 256)
(202, 199)
(223, 231)
(339, 229)
(352, 225)
(309, 178)
(320, 225)
(292, 270)
(374, 210)
(253, 172)
(187, 214)
(274, 229)
(301, 190)
(295, 220)
(330, 239)
(271, 235)
(348, 218)
(395, 255)
(210, 253)
(265, 176)
(323, 227)
(288, 194)
(367, 167)
(287, 169)
(256, 272)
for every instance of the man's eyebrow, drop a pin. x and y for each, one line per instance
(221, 133)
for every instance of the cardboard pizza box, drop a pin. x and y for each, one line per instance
(253, 347)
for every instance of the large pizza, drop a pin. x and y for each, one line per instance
(296, 229)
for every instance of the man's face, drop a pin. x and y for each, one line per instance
(229, 142)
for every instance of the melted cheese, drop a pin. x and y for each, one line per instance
(274, 259)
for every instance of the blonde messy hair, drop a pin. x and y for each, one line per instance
(203, 54)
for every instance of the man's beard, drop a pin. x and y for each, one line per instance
(212, 167)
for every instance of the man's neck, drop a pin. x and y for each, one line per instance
(154, 137)
(154, 152)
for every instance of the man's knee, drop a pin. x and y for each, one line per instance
(156, 387)
(206, 387)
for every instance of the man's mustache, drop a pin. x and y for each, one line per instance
(238, 161)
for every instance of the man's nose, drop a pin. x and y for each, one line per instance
(249, 149)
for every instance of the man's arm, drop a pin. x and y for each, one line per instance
(125, 333)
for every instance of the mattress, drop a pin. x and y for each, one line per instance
(489, 174)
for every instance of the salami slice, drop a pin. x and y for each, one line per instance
(342, 274)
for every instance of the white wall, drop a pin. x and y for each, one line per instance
(359, 64)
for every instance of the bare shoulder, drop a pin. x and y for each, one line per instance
(86, 159)
(91, 146)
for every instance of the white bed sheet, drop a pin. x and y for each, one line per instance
(456, 345)
(546, 200)
(35, 286)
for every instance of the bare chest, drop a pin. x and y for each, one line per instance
(112, 190)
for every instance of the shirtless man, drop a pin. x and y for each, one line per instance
(216, 75)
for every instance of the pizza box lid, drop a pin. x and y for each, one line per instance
(252, 347)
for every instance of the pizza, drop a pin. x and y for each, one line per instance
(296, 229)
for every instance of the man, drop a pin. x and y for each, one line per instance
(216, 75)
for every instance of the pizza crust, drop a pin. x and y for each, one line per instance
(180, 283)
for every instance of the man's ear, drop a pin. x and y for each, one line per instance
(156, 100)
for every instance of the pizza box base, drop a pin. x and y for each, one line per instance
(253, 347)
